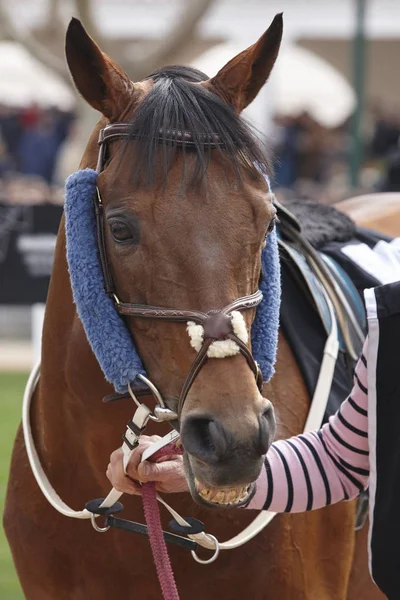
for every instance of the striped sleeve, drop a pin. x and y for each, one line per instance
(322, 467)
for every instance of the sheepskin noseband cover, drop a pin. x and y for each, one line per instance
(106, 331)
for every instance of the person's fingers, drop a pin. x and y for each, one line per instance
(159, 471)
(121, 482)
(117, 477)
(115, 469)
(116, 459)
(136, 455)
(169, 476)
(168, 472)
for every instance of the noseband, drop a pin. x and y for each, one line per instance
(217, 324)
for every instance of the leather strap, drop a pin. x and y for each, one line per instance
(179, 137)
(197, 364)
(212, 331)
(158, 312)
(134, 527)
(146, 311)
(140, 419)
(101, 246)
(249, 357)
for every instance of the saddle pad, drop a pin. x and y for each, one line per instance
(348, 288)
(305, 327)
(314, 289)
(306, 334)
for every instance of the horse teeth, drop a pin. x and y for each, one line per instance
(199, 486)
(244, 493)
(206, 493)
(225, 497)
(219, 497)
(232, 496)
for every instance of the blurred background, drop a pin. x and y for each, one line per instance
(329, 116)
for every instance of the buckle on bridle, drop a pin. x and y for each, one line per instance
(161, 411)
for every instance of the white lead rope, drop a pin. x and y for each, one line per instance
(314, 420)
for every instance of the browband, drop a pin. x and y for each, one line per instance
(176, 136)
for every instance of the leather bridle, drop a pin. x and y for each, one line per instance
(217, 324)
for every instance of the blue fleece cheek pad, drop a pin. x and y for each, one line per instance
(105, 330)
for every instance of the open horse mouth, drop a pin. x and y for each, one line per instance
(225, 497)
(217, 496)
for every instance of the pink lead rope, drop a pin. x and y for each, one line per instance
(153, 521)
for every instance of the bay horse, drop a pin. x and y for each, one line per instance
(182, 229)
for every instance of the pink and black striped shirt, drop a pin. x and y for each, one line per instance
(322, 467)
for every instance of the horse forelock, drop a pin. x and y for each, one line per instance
(178, 102)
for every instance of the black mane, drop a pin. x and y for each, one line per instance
(174, 104)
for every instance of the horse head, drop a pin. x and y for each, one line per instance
(187, 209)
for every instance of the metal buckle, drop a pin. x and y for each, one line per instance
(213, 557)
(161, 411)
(132, 395)
(95, 526)
(154, 390)
(164, 414)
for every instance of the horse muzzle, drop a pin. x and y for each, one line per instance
(221, 467)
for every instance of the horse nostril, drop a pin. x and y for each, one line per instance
(204, 438)
(267, 428)
(207, 439)
(268, 411)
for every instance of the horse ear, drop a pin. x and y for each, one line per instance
(240, 80)
(102, 83)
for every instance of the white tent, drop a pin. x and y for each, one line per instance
(24, 80)
(300, 81)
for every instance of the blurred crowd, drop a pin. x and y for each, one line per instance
(313, 160)
(303, 149)
(310, 160)
(385, 147)
(30, 143)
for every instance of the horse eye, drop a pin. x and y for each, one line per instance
(271, 225)
(120, 231)
(270, 228)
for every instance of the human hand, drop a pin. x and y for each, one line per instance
(167, 472)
